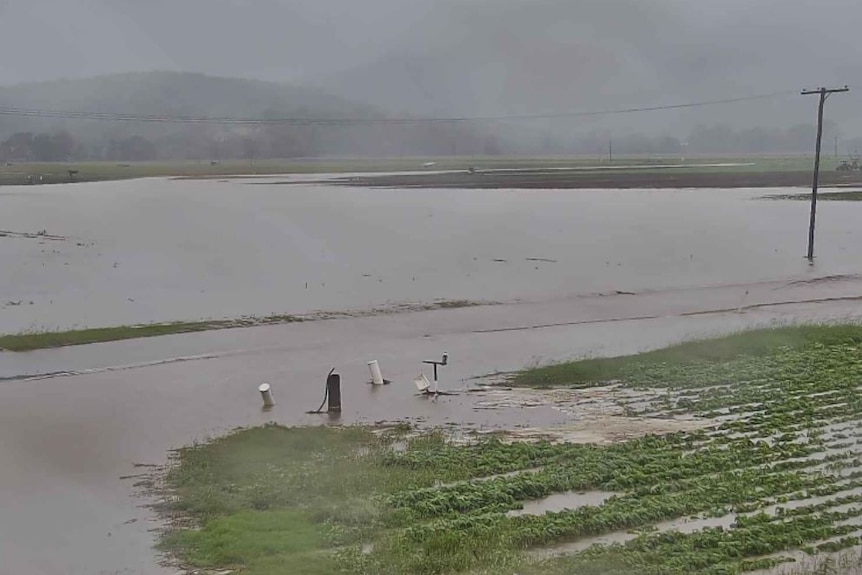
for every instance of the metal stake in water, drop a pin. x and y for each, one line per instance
(443, 362)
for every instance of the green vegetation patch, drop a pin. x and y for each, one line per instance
(23, 173)
(29, 341)
(756, 343)
(44, 340)
(265, 541)
(777, 470)
(854, 196)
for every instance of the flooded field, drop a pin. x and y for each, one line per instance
(772, 468)
(585, 273)
(113, 253)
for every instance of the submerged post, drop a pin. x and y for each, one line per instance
(266, 393)
(333, 393)
(376, 375)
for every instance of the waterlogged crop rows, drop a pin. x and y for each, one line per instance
(777, 472)
(783, 459)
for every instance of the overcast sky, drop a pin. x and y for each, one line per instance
(456, 56)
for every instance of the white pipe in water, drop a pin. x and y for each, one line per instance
(422, 383)
(376, 374)
(266, 394)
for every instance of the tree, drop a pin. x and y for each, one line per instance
(56, 147)
(19, 147)
(134, 149)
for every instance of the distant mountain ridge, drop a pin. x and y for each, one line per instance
(191, 95)
(164, 94)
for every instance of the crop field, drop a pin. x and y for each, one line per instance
(623, 171)
(774, 477)
(58, 173)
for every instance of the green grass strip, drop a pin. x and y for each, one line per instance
(756, 343)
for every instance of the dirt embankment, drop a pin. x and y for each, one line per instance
(581, 179)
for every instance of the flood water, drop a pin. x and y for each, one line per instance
(154, 250)
(164, 250)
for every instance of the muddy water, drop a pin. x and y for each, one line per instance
(154, 250)
(161, 250)
(561, 501)
(66, 442)
(682, 525)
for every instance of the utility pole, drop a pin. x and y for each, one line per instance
(824, 95)
(611, 150)
(836, 147)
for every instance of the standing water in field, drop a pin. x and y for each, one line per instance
(93, 255)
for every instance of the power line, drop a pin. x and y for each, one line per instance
(167, 119)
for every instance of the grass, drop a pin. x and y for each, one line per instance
(360, 501)
(854, 196)
(45, 340)
(56, 173)
(756, 343)
(268, 542)
(250, 519)
(30, 341)
(303, 500)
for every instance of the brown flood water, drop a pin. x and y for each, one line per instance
(66, 440)
(167, 250)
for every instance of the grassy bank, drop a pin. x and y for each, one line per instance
(58, 173)
(756, 343)
(45, 340)
(30, 341)
(783, 428)
(854, 196)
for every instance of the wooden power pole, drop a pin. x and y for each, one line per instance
(824, 95)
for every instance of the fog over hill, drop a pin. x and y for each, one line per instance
(472, 58)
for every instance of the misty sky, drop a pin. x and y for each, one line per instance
(485, 57)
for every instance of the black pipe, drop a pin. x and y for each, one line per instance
(333, 391)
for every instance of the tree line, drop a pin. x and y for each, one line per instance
(262, 142)
(382, 140)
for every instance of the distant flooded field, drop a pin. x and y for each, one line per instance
(100, 254)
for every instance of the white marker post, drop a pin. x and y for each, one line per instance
(266, 394)
(376, 374)
(422, 383)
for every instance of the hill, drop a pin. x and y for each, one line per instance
(168, 94)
